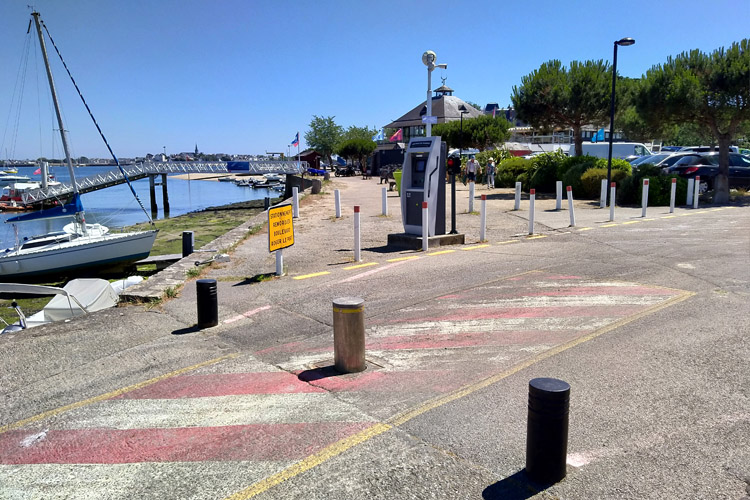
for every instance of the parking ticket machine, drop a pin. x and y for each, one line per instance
(423, 179)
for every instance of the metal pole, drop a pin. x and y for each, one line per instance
(570, 207)
(532, 197)
(517, 204)
(471, 196)
(429, 100)
(279, 262)
(295, 202)
(337, 201)
(612, 118)
(349, 334)
(644, 198)
(603, 196)
(384, 197)
(483, 219)
(425, 227)
(612, 202)
(696, 191)
(558, 193)
(357, 237)
(672, 195)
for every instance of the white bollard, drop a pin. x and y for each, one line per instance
(612, 202)
(279, 262)
(603, 196)
(337, 200)
(570, 207)
(532, 197)
(483, 220)
(558, 191)
(696, 191)
(517, 205)
(672, 195)
(689, 200)
(295, 202)
(644, 198)
(425, 227)
(357, 237)
(471, 197)
(384, 197)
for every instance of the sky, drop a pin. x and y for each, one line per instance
(244, 76)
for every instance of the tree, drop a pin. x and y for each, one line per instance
(323, 136)
(354, 132)
(358, 149)
(553, 96)
(482, 132)
(711, 90)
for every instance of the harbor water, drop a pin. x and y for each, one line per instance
(115, 207)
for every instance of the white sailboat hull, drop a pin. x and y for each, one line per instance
(110, 250)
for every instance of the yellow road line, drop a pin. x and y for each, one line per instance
(507, 241)
(112, 394)
(646, 219)
(716, 209)
(403, 258)
(474, 247)
(632, 222)
(359, 266)
(685, 214)
(609, 225)
(584, 229)
(379, 428)
(313, 275)
(441, 252)
(536, 236)
(669, 217)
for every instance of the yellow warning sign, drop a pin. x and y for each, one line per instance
(280, 228)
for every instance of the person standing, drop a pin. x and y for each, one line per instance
(471, 169)
(491, 173)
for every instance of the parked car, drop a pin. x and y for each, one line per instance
(706, 165)
(654, 159)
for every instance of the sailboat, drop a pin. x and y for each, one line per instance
(79, 246)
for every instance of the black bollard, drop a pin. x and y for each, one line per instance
(208, 307)
(188, 240)
(547, 430)
(266, 203)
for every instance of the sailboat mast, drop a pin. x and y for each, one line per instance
(63, 133)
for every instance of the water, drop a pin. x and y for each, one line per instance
(115, 207)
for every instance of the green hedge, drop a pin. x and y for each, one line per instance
(659, 189)
(509, 170)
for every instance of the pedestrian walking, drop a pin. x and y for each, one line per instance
(471, 169)
(491, 173)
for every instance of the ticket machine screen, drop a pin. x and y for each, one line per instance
(419, 165)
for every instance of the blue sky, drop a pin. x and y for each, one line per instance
(244, 76)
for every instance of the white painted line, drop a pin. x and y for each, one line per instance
(247, 314)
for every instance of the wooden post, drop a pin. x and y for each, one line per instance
(165, 195)
(152, 192)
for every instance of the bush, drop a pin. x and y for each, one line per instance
(573, 162)
(543, 174)
(509, 170)
(591, 181)
(659, 189)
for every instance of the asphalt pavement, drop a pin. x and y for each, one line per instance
(645, 317)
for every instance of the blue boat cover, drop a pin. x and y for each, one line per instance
(67, 210)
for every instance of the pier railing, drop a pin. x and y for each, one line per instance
(141, 170)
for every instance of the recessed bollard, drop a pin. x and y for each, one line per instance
(337, 201)
(188, 241)
(689, 200)
(483, 219)
(547, 430)
(644, 198)
(357, 236)
(517, 204)
(672, 195)
(349, 334)
(471, 197)
(696, 191)
(425, 227)
(603, 195)
(208, 306)
(612, 188)
(532, 198)
(570, 207)
(558, 195)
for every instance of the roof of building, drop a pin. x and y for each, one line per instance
(445, 107)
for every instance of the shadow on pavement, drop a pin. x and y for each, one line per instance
(515, 487)
(319, 373)
(183, 331)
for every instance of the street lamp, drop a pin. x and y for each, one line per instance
(463, 111)
(428, 59)
(624, 42)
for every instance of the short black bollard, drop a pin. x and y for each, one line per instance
(208, 307)
(547, 430)
(266, 203)
(188, 241)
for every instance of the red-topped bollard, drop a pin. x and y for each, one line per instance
(547, 431)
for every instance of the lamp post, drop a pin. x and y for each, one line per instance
(428, 59)
(624, 42)
(463, 111)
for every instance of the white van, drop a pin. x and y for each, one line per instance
(622, 150)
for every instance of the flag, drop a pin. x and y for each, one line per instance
(600, 135)
(38, 171)
(493, 112)
(398, 136)
(380, 136)
(295, 142)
